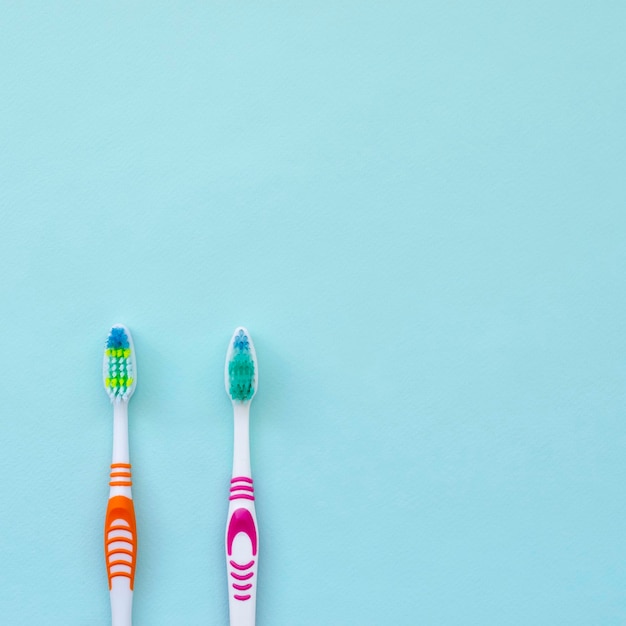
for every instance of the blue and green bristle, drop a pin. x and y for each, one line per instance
(119, 369)
(241, 369)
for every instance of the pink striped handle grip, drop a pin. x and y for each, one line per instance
(242, 543)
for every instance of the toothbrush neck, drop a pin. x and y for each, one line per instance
(241, 448)
(120, 433)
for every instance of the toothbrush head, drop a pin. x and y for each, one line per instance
(241, 373)
(119, 367)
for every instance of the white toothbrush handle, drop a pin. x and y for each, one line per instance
(242, 535)
(120, 531)
(242, 552)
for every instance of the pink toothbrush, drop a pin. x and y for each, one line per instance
(242, 537)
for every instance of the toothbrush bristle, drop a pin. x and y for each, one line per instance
(119, 364)
(241, 368)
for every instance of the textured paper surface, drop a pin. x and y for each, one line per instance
(418, 211)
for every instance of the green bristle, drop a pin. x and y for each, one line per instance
(241, 375)
(119, 368)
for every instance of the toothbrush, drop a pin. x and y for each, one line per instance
(120, 533)
(242, 537)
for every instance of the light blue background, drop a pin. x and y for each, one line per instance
(417, 208)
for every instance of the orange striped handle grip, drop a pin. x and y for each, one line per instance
(120, 539)
(120, 475)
